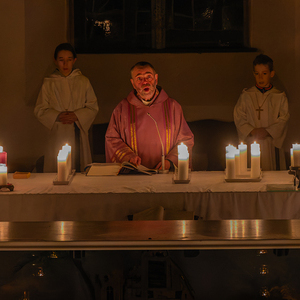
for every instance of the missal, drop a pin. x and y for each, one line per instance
(108, 169)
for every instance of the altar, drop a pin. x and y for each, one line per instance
(113, 198)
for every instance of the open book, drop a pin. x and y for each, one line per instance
(106, 169)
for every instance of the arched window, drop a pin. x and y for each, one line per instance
(128, 26)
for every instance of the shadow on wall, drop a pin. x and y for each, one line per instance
(211, 138)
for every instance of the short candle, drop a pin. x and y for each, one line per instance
(230, 165)
(67, 148)
(183, 162)
(255, 160)
(296, 155)
(3, 156)
(62, 170)
(3, 174)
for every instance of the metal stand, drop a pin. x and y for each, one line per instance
(68, 181)
(7, 186)
(295, 171)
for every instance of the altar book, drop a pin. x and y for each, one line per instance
(107, 169)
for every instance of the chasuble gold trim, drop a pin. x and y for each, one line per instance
(133, 129)
(168, 127)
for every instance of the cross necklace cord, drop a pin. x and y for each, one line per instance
(259, 109)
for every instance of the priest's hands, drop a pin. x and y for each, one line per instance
(67, 117)
(135, 160)
(167, 165)
(259, 133)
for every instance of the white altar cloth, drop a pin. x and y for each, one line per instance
(111, 198)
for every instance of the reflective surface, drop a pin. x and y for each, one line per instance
(150, 234)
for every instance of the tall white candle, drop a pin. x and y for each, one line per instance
(62, 170)
(255, 160)
(3, 174)
(183, 162)
(237, 162)
(296, 155)
(230, 165)
(69, 159)
(243, 158)
(292, 157)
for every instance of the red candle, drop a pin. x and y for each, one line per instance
(3, 156)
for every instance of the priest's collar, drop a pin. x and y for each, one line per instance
(264, 89)
(151, 100)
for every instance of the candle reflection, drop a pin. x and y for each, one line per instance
(264, 270)
(4, 228)
(233, 228)
(243, 228)
(257, 228)
(64, 230)
(183, 228)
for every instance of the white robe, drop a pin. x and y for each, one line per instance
(58, 94)
(273, 118)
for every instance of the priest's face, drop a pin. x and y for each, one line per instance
(65, 62)
(144, 81)
(263, 75)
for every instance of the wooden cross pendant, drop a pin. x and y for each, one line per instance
(259, 110)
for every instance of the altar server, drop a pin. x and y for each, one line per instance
(261, 114)
(67, 106)
(132, 134)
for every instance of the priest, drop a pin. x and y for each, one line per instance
(261, 114)
(145, 122)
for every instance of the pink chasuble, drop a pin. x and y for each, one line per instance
(132, 132)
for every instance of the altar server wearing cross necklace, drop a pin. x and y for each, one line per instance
(261, 114)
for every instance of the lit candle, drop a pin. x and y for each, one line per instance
(230, 165)
(183, 162)
(292, 157)
(255, 160)
(237, 162)
(296, 155)
(62, 170)
(3, 156)
(3, 174)
(230, 148)
(243, 158)
(69, 160)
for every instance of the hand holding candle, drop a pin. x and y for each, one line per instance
(183, 162)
